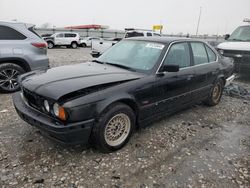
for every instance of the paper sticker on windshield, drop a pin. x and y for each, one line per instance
(154, 45)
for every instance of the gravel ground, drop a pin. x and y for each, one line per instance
(197, 147)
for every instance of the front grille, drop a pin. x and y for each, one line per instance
(235, 52)
(33, 99)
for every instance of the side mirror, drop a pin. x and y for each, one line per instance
(170, 68)
(226, 36)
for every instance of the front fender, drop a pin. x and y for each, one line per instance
(124, 97)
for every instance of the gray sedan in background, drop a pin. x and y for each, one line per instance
(21, 50)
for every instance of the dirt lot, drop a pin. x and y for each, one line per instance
(198, 147)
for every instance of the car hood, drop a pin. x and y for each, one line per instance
(243, 46)
(56, 82)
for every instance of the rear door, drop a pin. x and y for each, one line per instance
(69, 37)
(206, 68)
(174, 88)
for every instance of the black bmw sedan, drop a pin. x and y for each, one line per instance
(134, 82)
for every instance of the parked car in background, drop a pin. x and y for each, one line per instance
(237, 47)
(87, 41)
(45, 35)
(136, 81)
(140, 33)
(21, 50)
(68, 39)
(98, 47)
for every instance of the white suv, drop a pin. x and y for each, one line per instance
(140, 33)
(87, 41)
(68, 39)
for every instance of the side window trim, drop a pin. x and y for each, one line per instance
(191, 55)
(208, 59)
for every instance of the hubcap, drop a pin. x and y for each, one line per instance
(117, 129)
(8, 79)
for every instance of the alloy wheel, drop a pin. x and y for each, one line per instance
(8, 79)
(117, 129)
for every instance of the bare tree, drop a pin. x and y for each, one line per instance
(46, 25)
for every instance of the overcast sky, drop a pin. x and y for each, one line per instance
(218, 16)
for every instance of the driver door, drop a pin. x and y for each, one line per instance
(174, 88)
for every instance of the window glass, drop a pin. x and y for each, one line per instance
(137, 55)
(241, 34)
(70, 35)
(211, 55)
(149, 34)
(199, 52)
(178, 55)
(7, 33)
(60, 35)
(134, 34)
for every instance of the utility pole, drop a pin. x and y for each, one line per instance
(198, 25)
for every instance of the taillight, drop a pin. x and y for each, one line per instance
(39, 45)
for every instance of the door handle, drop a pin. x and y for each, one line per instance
(190, 77)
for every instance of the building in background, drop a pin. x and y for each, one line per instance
(91, 26)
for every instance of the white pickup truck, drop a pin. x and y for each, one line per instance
(237, 46)
(98, 47)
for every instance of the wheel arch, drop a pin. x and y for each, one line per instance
(128, 100)
(50, 41)
(18, 61)
(74, 42)
(222, 77)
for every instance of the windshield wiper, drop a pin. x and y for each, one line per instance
(113, 64)
(236, 40)
(97, 61)
(121, 66)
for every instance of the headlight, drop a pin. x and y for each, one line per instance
(59, 111)
(56, 109)
(46, 105)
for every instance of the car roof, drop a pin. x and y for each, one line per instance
(164, 40)
(27, 25)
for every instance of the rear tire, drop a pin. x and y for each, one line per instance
(74, 45)
(8, 77)
(114, 128)
(215, 93)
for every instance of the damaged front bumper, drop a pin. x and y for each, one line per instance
(71, 133)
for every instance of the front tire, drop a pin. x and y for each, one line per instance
(50, 45)
(215, 93)
(114, 128)
(8, 77)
